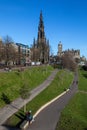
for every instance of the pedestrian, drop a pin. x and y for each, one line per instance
(29, 117)
(76, 82)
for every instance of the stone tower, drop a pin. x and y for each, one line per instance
(42, 43)
(60, 49)
(41, 34)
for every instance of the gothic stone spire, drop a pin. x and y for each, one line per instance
(41, 34)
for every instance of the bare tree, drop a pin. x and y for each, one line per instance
(34, 54)
(9, 50)
(1, 51)
(68, 61)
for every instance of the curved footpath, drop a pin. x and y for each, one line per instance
(10, 109)
(49, 116)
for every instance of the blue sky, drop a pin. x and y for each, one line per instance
(64, 20)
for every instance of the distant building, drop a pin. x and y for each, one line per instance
(83, 61)
(75, 53)
(60, 52)
(24, 53)
(83, 58)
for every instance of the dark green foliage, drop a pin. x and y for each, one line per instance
(25, 91)
(84, 67)
(65, 89)
(5, 98)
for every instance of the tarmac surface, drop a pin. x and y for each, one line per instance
(48, 117)
(12, 108)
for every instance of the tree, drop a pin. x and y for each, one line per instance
(25, 93)
(1, 50)
(9, 50)
(68, 61)
(35, 54)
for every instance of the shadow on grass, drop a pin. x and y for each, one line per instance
(5, 98)
(21, 118)
(20, 115)
(85, 75)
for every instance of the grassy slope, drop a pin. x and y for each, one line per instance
(83, 80)
(56, 87)
(11, 82)
(74, 116)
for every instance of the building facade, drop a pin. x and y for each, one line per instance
(75, 53)
(23, 53)
(60, 49)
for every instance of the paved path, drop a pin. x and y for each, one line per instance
(47, 119)
(9, 110)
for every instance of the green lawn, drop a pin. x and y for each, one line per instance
(82, 80)
(11, 82)
(62, 80)
(74, 116)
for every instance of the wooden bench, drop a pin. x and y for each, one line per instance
(24, 124)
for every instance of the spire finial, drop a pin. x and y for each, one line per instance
(41, 14)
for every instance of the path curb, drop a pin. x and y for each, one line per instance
(48, 103)
(24, 125)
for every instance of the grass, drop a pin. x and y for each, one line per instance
(82, 80)
(62, 80)
(11, 82)
(74, 116)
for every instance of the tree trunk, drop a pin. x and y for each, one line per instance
(24, 106)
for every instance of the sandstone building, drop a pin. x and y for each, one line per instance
(75, 53)
(40, 49)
